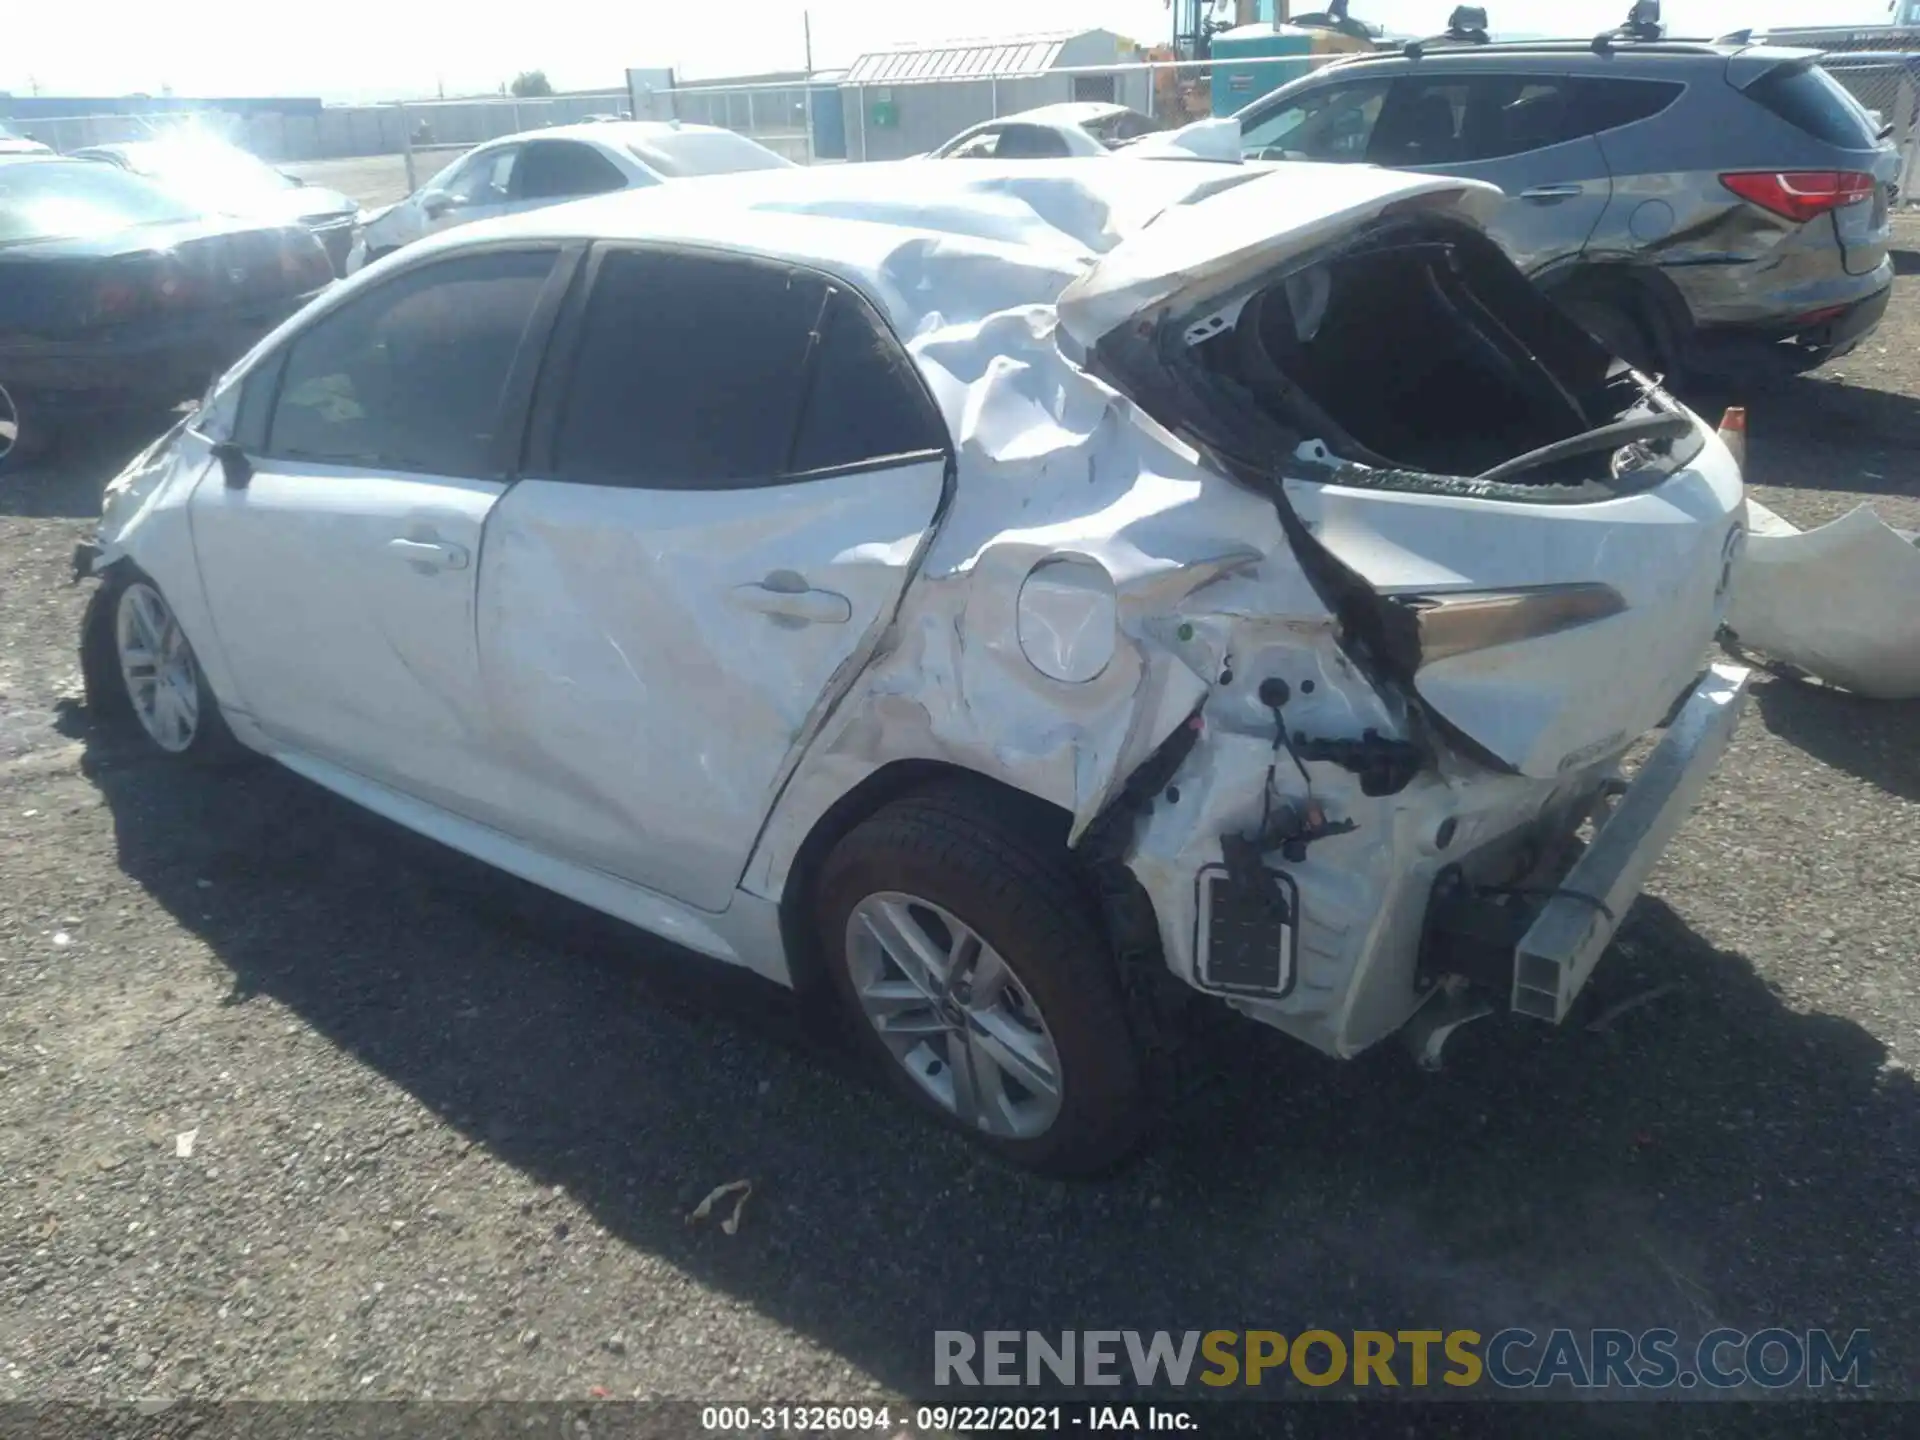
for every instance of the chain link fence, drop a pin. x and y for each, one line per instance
(1885, 79)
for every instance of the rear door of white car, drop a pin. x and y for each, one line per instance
(341, 574)
(732, 470)
(549, 171)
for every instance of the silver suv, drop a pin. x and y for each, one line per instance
(1709, 210)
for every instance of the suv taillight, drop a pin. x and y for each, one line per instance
(1800, 194)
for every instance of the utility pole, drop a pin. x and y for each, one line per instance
(806, 28)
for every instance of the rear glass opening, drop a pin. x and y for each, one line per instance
(1811, 100)
(1420, 350)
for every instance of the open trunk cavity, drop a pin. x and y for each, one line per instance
(1416, 350)
(1438, 438)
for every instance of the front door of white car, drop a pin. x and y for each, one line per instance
(341, 567)
(732, 470)
(479, 187)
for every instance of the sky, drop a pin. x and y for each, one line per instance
(412, 48)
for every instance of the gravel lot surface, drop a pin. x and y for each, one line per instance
(293, 1104)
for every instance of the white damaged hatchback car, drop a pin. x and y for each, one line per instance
(1031, 599)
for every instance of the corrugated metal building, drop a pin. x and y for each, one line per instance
(905, 102)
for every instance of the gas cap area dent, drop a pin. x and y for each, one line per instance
(1068, 619)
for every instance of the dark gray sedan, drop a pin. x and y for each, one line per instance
(227, 180)
(1706, 209)
(116, 295)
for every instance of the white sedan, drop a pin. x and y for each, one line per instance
(545, 167)
(1049, 132)
(1030, 599)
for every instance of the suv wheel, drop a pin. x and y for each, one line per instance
(1619, 322)
(25, 435)
(972, 963)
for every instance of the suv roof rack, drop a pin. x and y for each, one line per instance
(1642, 32)
(1642, 26)
(1466, 26)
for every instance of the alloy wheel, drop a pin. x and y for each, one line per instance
(954, 1015)
(162, 679)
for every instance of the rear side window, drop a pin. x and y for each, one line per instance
(1809, 99)
(863, 400)
(412, 375)
(1466, 119)
(1608, 104)
(1030, 142)
(554, 169)
(689, 372)
(706, 372)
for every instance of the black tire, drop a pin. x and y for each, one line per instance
(1616, 324)
(1001, 869)
(108, 701)
(25, 433)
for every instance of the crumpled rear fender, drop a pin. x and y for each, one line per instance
(1051, 464)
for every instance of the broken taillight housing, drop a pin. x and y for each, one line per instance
(1426, 628)
(1800, 194)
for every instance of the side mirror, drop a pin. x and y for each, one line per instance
(296, 179)
(436, 203)
(234, 465)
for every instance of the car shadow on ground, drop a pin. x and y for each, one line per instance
(1872, 739)
(1798, 429)
(1711, 1157)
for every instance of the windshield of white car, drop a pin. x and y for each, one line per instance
(683, 153)
(66, 199)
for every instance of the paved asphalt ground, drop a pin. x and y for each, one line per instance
(448, 1129)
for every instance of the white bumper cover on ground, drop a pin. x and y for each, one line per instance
(1841, 602)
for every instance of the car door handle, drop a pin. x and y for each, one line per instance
(815, 607)
(427, 556)
(1552, 192)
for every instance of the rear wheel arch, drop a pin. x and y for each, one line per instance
(1647, 297)
(990, 865)
(896, 780)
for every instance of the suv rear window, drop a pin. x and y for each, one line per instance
(1809, 99)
